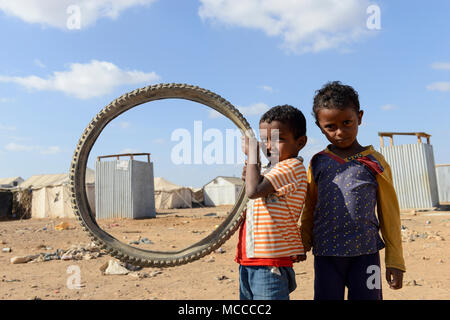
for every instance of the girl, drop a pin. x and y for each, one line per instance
(346, 182)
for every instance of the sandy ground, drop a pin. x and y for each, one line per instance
(426, 250)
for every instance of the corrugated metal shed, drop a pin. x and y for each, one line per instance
(413, 171)
(443, 181)
(124, 189)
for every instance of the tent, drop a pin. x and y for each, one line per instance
(9, 183)
(169, 195)
(222, 191)
(51, 196)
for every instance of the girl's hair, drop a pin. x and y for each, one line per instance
(335, 95)
(289, 115)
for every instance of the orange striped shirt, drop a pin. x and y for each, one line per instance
(272, 222)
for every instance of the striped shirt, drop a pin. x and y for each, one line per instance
(272, 222)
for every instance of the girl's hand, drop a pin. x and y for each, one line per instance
(394, 278)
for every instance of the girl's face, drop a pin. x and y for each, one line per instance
(340, 126)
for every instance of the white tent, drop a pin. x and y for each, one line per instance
(51, 197)
(10, 183)
(169, 195)
(222, 191)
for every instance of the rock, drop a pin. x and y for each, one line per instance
(411, 283)
(220, 250)
(66, 257)
(22, 259)
(131, 267)
(221, 278)
(155, 273)
(6, 250)
(146, 241)
(428, 222)
(210, 259)
(425, 258)
(133, 242)
(114, 268)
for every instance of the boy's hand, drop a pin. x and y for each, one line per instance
(394, 278)
(298, 258)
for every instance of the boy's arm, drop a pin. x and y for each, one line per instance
(389, 216)
(307, 220)
(256, 186)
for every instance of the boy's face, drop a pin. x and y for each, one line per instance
(340, 126)
(278, 141)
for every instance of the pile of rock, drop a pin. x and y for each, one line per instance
(413, 235)
(76, 252)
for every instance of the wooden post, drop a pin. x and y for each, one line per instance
(381, 142)
(392, 140)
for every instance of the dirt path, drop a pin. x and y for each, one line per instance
(215, 276)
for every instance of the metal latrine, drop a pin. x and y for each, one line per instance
(443, 181)
(413, 171)
(124, 188)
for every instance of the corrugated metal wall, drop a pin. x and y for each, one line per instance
(443, 181)
(124, 189)
(414, 175)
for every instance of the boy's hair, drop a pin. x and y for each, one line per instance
(335, 95)
(289, 115)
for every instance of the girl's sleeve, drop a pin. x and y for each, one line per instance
(388, 211)
(307, 219)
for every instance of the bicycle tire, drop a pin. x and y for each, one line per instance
(80, 205)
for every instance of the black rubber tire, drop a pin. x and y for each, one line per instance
(111, 245)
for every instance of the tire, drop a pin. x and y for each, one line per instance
(114, 247)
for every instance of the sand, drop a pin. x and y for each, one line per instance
(214, 277)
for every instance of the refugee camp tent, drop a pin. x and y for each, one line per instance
(169, 195)
(222, 191)
(5, 203)
(9, 183)
(51, 196)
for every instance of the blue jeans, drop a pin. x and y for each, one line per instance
(265, 283)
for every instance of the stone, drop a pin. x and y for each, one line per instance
(114, 268)
(22, 259)
(6, 250)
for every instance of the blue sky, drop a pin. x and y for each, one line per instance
(55, 76)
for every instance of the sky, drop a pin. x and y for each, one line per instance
(62, 61)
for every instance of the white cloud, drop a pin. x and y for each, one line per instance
(55, 13)
(39, 63)
(85, 81)
(125, 125)
(267, 88)
(254, 109)
(441, 65)
(388, 107)
(439, 86)
(129, 150)
(304, 25)
(159, 141)
(15, 147)
(7, 128)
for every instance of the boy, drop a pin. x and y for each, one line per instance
(346, 182)
(269, 239)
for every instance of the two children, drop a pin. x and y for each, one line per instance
(345, 184)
